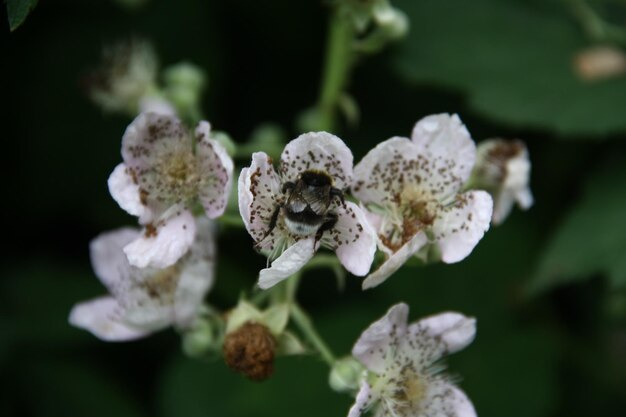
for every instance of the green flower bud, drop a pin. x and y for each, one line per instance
(346, 375)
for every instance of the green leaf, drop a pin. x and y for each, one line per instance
(513, 60)
(592, 237)
(18, 10)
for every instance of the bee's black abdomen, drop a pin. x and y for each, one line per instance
(316, 178)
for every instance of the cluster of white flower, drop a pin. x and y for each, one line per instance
(430, 196)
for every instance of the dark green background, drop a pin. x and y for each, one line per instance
(547, 287)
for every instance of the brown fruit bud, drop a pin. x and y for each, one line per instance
(250, 351)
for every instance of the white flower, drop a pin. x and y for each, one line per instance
(503, 169)
(161, 179)
(290, 214)
(412, 191)
(146, 300)
(403, 378)
(127, 80)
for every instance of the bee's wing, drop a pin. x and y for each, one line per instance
(297, 203)
(317, 201)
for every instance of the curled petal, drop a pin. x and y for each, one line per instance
(125, 192)
(362, 402)
(107, 257)
(259, 195)
(163, 243)
(442, 334)
(446, 144)
(318, 151)
(217, 171)
(458, 228)
(354, 240)
(373, 343)
(395, 261)
(288, 263)
(381, 175)
(100, 316)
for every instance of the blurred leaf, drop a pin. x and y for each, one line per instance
(513, 59)
(298, 387)
(591, 238)
(18, 10)
(71, 389)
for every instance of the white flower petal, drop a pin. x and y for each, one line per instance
(196, 280)
(217, 166)
(100, 316)
(107, 257)
(126, 193)
(381, 175)
(524, 198)
(288, 263)
(458, 228)
(354, 239)
(259, 195)
(442, 334)
(165, 244)
(448, 147)
(444, 399)
(318, 151)
(502, 206)
(395, 261)
(373, 343)
(362, 402)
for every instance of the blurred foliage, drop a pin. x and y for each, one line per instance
(504, 66)
(592, 236)
(514, 60)
(18, 10)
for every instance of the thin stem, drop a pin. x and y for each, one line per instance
(337, 65)
(596, 27)
(302, 320)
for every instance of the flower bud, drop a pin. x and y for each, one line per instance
(345, 375)
(250, 350)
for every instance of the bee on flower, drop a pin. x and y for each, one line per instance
(291, 213)
(412, 193)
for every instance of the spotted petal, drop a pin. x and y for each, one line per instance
(163, 243)
(318, 151)
(288, 263)
(100, 316)
(126, 193)
(371, 348)
(259, 195)
(439, 335)
(444, 399)
(354, 239)
(459, 227)
(217, 171)
(363, 401)
(395, 261)
(445, 143)
(381, 175)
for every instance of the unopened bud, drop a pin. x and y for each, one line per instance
(345, 375)
(250, 350)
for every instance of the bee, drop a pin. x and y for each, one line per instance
(306, 209)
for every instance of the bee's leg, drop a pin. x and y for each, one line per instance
(288, 186)
(336, 192)
(329, 223)
(272, 224)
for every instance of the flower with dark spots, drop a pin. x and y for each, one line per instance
(412, 192)
(143, 301)
(292, 213)
(402, 377)
(164, 174)
(503, 169)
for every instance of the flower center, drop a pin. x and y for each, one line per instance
(162, 285)
(402, 390)
(177, 176)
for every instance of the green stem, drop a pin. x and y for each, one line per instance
(594, 25)
(337, 66)
(302, 320)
